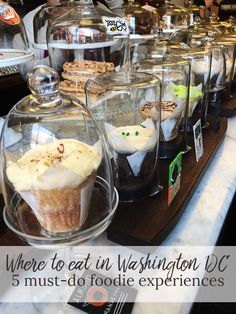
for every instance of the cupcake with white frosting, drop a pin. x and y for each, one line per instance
(56, 180)
(134, 149)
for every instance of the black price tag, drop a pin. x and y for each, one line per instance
(198, 141)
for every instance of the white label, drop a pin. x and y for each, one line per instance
(116, 25)
(149, 8)
(166, 22)
(198, 141)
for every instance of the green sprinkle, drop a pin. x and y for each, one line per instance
(127, 134)
(123, 133)
(143, 126)
(136, 133)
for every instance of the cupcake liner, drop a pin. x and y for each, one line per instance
(61, 210)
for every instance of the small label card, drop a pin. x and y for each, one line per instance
(149, 8)
(175, 170)
(99, 299)
(116, 25)
(198, 141)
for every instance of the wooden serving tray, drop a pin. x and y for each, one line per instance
(149, 221)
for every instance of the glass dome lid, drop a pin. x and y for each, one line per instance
(192, 9)
(123, 111)
(173, 17)
(57, 179)
(83, 44)
(200, 70)
(45, 16)
(173, 73)
(222, 27)
(141, 21)
(14, 47)
(231, 23)
(229, 49)
(194, 36)
(156, 66)
(152, 48)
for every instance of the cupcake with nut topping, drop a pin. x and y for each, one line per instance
(56, 180)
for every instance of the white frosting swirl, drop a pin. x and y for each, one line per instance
(132, 138)
(63, 163)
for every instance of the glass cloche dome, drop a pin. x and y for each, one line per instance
(141, 21)
(194, 36)
(128, 110)
(57, 179)
(200, 69)
(152, 48)
(231, 23)
(83, 44)
(173, 17)
(14, 47)
(45, 16)
(192, 9)
(222, 27)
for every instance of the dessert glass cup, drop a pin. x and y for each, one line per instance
(57, 179)
(174, 76)
(133, 139)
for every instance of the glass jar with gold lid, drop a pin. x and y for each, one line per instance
(152, 48)
(196, 35)
(223, 27)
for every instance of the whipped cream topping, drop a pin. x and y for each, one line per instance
(202, 67)
(132, 138)
(62, 163)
